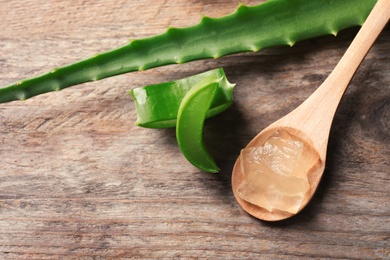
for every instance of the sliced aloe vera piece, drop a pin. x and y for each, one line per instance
(158, 105)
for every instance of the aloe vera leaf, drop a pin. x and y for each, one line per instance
(158, 105)
(249, 28)
(190, 120)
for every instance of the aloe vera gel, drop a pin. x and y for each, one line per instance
(276, 174)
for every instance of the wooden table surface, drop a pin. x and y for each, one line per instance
(78, 179)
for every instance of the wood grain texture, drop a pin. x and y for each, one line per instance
(78, 180)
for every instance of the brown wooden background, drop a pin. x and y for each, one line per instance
(78, 180)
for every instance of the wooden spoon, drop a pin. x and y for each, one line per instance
(311, 121)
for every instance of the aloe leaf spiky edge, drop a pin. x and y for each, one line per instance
(249, 28)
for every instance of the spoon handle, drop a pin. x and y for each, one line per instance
(315, 115)
(356, 52)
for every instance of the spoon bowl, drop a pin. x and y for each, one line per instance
(310, 122)
(314, 173)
